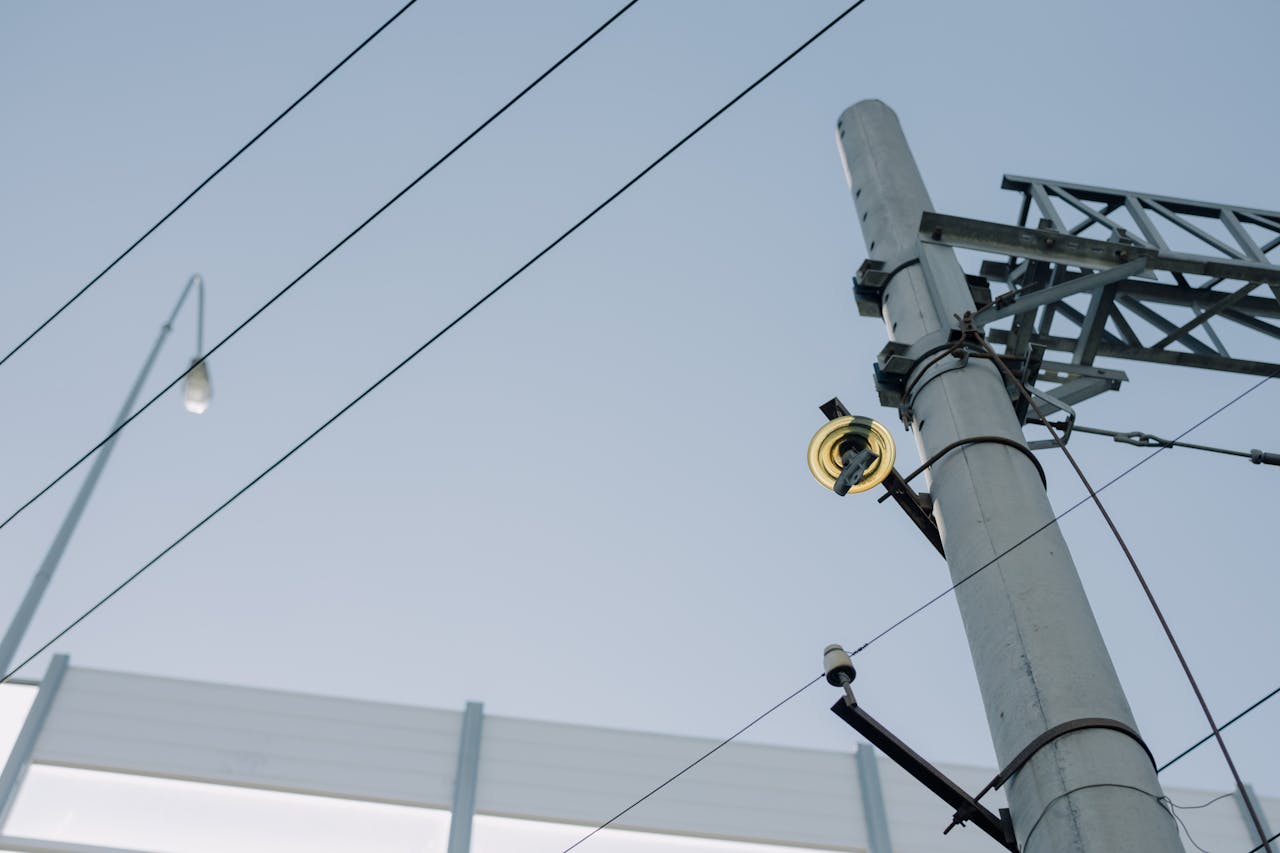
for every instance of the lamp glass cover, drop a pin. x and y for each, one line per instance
(196, 389)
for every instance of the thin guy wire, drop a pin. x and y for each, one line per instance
(1156, 441)
(1133, 563)
(1126, 472)
(320, 260)
(1209, 736)
(455, 321)
(692, 764)
(204, 183)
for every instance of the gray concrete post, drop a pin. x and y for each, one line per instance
(1039, 655)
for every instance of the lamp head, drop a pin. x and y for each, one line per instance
(196, 388)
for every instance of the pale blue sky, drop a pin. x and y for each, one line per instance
(589, 502)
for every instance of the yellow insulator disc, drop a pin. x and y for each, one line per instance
(855, 433)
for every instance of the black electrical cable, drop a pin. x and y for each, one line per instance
(1126, 472)
(455, 321)
(245, 322)
(243, 148)
(1209, 737)
(692, 764)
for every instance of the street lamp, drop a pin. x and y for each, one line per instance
(196, 390)
(196, 394)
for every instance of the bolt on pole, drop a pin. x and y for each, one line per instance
(1039, 656)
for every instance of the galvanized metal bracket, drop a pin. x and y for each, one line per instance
(870, 282)
(968, 809)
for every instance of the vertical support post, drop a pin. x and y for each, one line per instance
(873, 811)
(1039, 656)
(24, 747)
(464, 782)
(1248, 817)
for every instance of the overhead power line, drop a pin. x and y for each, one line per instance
(1208, 737)
(336, 246)
(701, 758)
(450, 325)
(243, 148)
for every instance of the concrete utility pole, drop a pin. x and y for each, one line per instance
(1040, 659)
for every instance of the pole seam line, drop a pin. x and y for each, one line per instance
(205, 182)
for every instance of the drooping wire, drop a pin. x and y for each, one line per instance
(1169, 807)
(351, 234)
(692, 764)
(1026, 842)
(1208, 737)
(450, 325)
(243, 148)
(1203, 805)
(974, 334)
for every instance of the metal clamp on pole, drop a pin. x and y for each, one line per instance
(978, 439)
(870, 283)
(1053, 734)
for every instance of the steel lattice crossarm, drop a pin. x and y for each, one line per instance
(1124, 275)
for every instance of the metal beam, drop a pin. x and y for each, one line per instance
(967, 808)
(1168, 294)
(1092, 217)
(1095, 323)
(1104, 195)
(1252, 322)
(1211, 361)
(1205, 314)
(464, 783)
(873, 811)
(1030, 301)
(15, 769)
(1166, 325)
(1085, 252)
(1194, 230)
